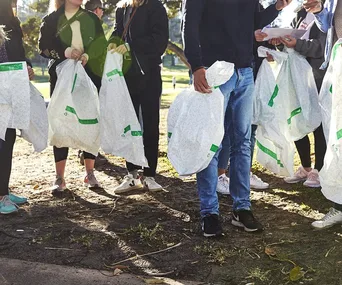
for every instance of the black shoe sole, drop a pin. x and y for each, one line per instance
(241, 225)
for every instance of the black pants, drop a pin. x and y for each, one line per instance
(145, 92)
(62, 154)
(303, 147)
(6, 154)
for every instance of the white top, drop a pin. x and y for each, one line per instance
(76, 41)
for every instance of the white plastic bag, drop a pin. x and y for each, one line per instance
(121, 133)
(267, 105)
(5, 115)
(331, 173)
(276, 157)
(73, 111)
(298, 90)
(38, 131)
(196, 123)
(15, 93)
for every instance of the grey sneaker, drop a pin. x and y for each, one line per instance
(59, 185)
(91, 181)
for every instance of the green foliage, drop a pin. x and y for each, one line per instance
(31, 33)
(40, 6)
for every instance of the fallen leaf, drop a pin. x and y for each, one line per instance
(35, 187)
(117, 271)
(270, 251)
(296, 273)
(154, 281)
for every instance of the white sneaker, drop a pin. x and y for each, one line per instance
(128, 184)
(300, 175)
(223, 185)
(257, 183)
(313, 179)
(151, 185)
(333, 217)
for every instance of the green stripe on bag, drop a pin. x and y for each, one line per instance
(293, 114)
(335, 48)
(81, 121)
(74, 83)
(169, 135)
(115, 72)
(214, 148)
(11, 67)
(331, 89)
(127, 129)
(133, 133)
(270, 153)
(274, 95)
(339, 134)
(136, 133)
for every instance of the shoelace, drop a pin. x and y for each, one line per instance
(332, 213)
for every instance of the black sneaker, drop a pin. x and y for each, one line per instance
(211, 226)
(245, 219)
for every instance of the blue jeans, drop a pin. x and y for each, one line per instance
(238, 97)
(223, 159)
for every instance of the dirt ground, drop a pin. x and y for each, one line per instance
(96, 229)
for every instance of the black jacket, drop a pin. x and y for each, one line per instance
(222, 30)
(313, 49)
(56, 36)
(14, 46)
(147, 36)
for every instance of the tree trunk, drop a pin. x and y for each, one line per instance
(179, 52)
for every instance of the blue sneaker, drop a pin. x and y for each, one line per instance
(17, 199)
(7, 206)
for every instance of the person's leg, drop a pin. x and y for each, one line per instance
(303, 148)
(302, 173)
(223, 161)
(6, 153)
(240, 118)
(320, 147)
(224, 155)
(90, 179)
(135, 84)
(132, 181)
(253, 139)
(61, 155)
(150, 107)
(207, 181)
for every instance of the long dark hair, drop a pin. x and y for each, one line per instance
(6, 12)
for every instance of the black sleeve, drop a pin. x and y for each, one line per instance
(49, 45)
(315, 46)
(193, 10)
(156, 41)
(14, 46)
(118, 27)
(264, 17)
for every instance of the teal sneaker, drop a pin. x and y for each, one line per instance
(7, 206)
(17, 199)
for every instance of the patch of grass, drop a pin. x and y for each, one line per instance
(215, 254)
(257, 273)
(84, 240)
(145, 234)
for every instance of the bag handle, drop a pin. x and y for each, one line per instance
(124, 34)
